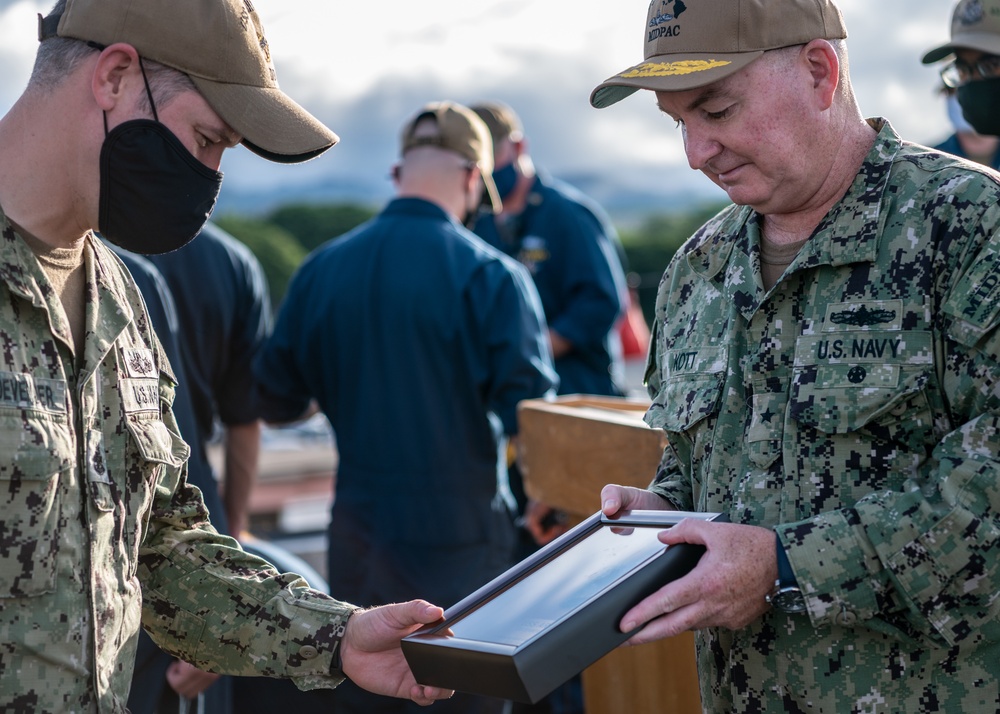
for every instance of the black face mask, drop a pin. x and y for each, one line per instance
(155, 195)
(505, 180)
(980, 100)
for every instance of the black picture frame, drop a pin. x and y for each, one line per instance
(555, 613)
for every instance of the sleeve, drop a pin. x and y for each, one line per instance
(923, 561)
(515, 361)
(236, 395)
(207, 601)
(283, 390)
(593, 281)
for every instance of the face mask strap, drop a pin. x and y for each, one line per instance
(149, 92)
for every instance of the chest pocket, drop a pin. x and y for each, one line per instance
(687, 407)
(873, 384)
(36, 452)
(123, 496)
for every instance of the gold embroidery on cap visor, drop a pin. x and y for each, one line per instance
(672, 69)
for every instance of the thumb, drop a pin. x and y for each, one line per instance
(687, 531)
(419, 612)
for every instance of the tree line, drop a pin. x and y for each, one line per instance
(282, 238)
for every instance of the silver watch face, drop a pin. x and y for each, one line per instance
(789, 599)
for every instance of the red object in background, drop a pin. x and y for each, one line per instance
(633, 330)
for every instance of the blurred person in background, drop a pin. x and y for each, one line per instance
(568, 245)
(973, 64)
(971, 81)
(964, 141)
(417, 340)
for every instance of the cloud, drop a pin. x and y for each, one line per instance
(363, 71)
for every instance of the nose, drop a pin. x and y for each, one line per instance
(700, 147)
(211, 155)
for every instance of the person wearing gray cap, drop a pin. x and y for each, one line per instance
(417, 340)
(825, 363)
(120, 131)
(973, 63)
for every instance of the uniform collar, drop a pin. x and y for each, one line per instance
(411, 206)
(848, 234)
(24, 277)
(18, 267)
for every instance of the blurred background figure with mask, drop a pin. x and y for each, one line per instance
(972, 70)
(965, 141)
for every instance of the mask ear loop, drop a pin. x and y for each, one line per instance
(149, 95)
(149, 92)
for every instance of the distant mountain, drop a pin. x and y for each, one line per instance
(331, 189)
(626, 204)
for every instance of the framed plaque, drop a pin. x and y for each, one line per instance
(554, 614)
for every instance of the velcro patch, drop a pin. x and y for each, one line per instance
(23, 391)
(140, 395)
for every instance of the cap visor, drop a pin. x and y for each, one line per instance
(491, 199)
(271, 124)
(988, 42)
(937, 54)
(670, 73)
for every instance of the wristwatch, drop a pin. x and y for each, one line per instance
(787, 598)
(786, 595)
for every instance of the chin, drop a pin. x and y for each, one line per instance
(743, 195)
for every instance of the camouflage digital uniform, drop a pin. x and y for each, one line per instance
(98, 527)
(855, 409)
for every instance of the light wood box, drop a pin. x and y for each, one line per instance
(570, 448)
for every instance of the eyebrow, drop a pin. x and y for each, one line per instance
(707, 94)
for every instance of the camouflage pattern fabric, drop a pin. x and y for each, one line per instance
(98, 526)
(855, 409)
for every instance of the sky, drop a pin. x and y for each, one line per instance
(363, 68)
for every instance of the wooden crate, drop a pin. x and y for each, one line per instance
(568, 449)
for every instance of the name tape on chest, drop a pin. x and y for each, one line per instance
(23, 391)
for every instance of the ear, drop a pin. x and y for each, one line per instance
(115, 73)
(824, 68)
(473, 178)
(395, 172)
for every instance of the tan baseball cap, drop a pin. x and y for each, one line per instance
(220, 44)
(460, 130)
(502, 121)
(975, 25)
(692, 43)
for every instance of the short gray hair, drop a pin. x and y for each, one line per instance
(58, 57)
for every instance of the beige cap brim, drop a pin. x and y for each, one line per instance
(491, 193)
(670, 73)
(271, 123)
(988, 42)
